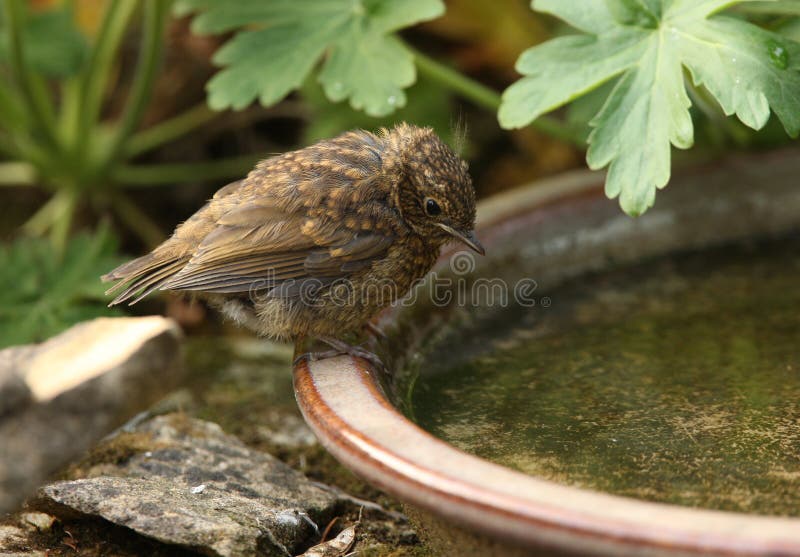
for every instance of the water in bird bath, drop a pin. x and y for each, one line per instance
(676, 380)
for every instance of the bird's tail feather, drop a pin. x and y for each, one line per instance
(142, 276)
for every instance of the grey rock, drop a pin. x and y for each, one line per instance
(14, 391)
(59, 397)
(14, 542)
(287, 431)
(41, 522)
(201, 489)
(14, 535)
(11, 536)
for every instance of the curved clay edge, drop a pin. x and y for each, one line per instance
(354, 421)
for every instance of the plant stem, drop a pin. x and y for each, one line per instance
(41, 220)
(17, 173)
(34, 95)
(170, 129)
(95, 77)
(159, 174)
(478, 93)
(63, 221)
(70, 111)
(155, 17)
(488, 98)
(32, 151)
(12, 112)
(57, 212)
(7, 147)
(137, 220)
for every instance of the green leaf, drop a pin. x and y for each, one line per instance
(281, 41)
(428, 105)
(565, 68)
(646, 45)
(591, 16)
(42, 294)
(52, 44)
(347, 74)
(646, 111)
(583, 109)
(638, 13)
(747, 69)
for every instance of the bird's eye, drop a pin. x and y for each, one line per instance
(432, 207)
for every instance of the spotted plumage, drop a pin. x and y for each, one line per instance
(314, 242)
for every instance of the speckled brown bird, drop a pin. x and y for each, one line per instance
(314, 242)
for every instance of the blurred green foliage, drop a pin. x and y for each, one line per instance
(43, 292)
(55, 47)
(54, 130)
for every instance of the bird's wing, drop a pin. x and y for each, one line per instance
(260, 246)
(271, 227)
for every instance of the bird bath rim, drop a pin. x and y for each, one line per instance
(343, 403)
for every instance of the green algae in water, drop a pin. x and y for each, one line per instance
(675, 381)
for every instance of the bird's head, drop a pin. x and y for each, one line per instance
(434, 190)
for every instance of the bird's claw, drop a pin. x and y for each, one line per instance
(341, 347)
(314, 356)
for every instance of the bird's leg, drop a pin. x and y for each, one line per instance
(374, 330)
(300, 344)
(342, 347)
(314, 356)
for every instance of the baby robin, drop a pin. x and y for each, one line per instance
(313, 243)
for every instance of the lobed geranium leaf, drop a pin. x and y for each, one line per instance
(279, 42)
(747, 69)
(647, 44)
(646, 111)
(565, 68)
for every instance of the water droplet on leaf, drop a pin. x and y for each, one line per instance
(338, 87)
(392, 100)
(733, 59)
(778, 54)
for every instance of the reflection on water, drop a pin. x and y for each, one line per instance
(675, 381)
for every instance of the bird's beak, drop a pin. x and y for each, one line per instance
(467, 238)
